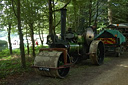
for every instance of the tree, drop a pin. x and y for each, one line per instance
(109, 13)
(87, 13)
(31, 16)
(8, 20)
(18, 16)
(51, 24)
(119, 8)
(27, 33)
(9, 38)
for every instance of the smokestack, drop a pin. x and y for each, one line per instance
(63, 23)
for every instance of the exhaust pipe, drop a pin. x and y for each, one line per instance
(63, 23)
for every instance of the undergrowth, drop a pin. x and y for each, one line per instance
(11, 64)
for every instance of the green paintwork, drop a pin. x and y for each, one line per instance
(74, 47)
(80, 39)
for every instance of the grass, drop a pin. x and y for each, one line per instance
(10, 65)
(4, 53)
(106, 59)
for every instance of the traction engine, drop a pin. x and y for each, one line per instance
(66, 50)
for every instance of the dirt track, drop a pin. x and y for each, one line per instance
(114, 71)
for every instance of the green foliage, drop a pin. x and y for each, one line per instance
(16, 51)
(12, 65)
(119, 8)
(4, 53)
(3, 45)
(36, 11)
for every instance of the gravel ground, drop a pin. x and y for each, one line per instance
(114, 71)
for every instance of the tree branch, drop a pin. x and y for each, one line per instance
(57, 24)
(14, 9)
(56, 1)
(62, 7)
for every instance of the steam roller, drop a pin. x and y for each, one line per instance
(66, 50)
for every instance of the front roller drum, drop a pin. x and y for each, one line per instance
(52, 63)
(97, 52)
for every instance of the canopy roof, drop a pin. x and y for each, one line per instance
(111, 33)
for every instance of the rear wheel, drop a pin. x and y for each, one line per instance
(97, 52)
(122, 50)
(118, 54)
(118, 51)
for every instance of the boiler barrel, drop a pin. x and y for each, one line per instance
(74, 48)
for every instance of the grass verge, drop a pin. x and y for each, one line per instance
(11, 64)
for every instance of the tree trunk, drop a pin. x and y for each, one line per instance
(95, 22)
(9, 39)
(32, 38)
(75, 15)
(90, 12)
(27, 42)
(81, 21)
(40, 37)
(109, 13)
(27, 47)
(20, 36)
(54, 17)
(97, 10)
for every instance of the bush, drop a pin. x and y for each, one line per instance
(3, 45)
(4, 53)
(16, 51)
(12, 65)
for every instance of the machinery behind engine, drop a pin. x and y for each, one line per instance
(63, 52)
